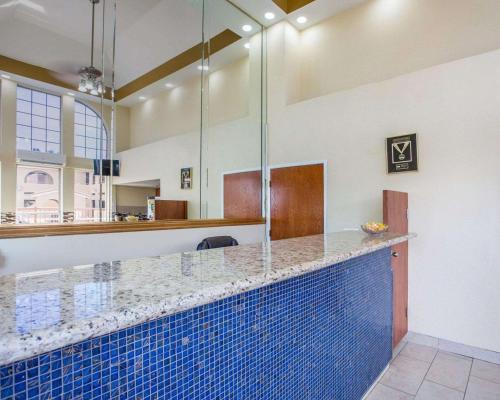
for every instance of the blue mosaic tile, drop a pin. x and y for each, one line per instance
(324, 335)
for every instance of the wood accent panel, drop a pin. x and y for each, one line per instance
(297, 201)
(157, 192)
(243, 195)
(23, 231)
(39, 74)
(170, 209)
(180, 61)
(395, 209)
(175, 64)
(290, 6)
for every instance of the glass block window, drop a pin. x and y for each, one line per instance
(90, 133)
(38, 121)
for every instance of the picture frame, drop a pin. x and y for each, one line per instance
(402, 153)
(187, 178)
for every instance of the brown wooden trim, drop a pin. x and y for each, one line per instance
(40, 74)
(290, 6)
(25, 231)
(180, 61)
(175, 64)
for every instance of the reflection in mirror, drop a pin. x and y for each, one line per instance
(56, 78)
(130, 110)
(232, 115)
(158, 88)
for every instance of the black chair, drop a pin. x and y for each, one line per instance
(216, 242)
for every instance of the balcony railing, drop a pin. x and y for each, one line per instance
(37, 215)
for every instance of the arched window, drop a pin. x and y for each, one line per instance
(39, 178)
(90, 133)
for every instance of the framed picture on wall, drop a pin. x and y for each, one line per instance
(186, 178)
(402, 153)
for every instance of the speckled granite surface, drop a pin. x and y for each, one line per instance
(50, 309)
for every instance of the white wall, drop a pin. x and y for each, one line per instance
(454, 198)
(58, 252)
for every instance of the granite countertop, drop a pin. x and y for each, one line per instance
(46, 310)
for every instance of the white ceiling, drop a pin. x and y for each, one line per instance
(315, 12)
(55, 34)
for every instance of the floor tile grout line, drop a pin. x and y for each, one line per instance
(425, 376)
(396, 390)
(409, 358)
(379, 380)
(480, 377)
(468, 377)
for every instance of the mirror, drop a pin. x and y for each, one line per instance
(232, 126)
(150, 109)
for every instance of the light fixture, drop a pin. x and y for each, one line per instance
(142, 98)
(91, 77)
(71, 94)
(247, 45)
(247, 28)
(302, 20)
(203, 67)
(269, 15)
(169, 85)
(5, 76)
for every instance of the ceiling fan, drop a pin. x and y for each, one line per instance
(91, 77)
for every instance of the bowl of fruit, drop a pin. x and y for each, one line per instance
(375, 228)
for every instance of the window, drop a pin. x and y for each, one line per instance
(38, 194)
(87, 196)
(38, 121)
(90, 133)
(39, 177)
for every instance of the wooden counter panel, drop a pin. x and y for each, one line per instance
(24, 231)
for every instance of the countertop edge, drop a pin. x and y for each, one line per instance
(32, 231)
(31, 345)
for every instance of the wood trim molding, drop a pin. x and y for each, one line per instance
(26, 231)
(40, 74)
(290, 6)
(175, 64)
(180, 61)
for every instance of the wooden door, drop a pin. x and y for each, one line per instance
(243, 195)
(396, 216)
(297, 201)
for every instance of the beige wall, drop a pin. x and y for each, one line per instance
(390, 68)
(7, 146)
(177, 111)
(381, 39)
(132, 196)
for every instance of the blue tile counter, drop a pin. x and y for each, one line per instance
(305, 318)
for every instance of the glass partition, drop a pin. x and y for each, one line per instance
(151, 109)
(233, 88)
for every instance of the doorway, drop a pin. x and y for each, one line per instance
(297, 195)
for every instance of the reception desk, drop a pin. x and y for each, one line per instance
(304, 318)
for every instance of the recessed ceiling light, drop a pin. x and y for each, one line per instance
(142, 98)
(203, 67)
(169, 85)
(247, 45)
(247, 28)
(269, 15)
(4, 76)
(302, 20)
(71, 94)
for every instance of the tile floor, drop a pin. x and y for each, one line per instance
(425, 373)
